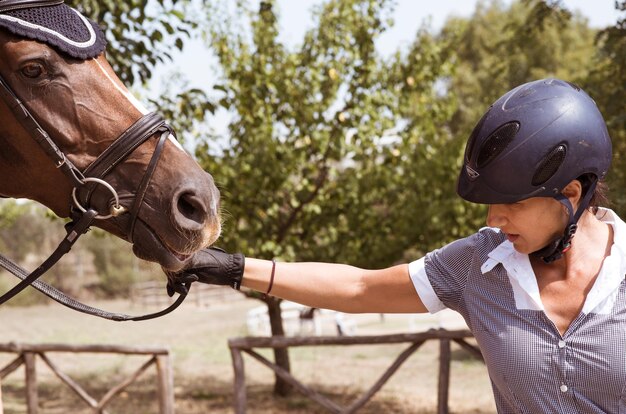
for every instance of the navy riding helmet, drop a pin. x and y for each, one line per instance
(532, 142)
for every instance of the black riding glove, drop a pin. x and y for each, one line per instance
(213, 266)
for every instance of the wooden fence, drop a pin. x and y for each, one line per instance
(152, 294)
(247, 344)
(27, 355)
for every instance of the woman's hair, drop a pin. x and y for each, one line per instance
(600, 197)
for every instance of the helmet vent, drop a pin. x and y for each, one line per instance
(550, 165)
(496, 143)
(472, 139)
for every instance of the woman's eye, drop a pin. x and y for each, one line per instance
(33, 70)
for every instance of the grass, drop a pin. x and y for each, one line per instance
(203, 375)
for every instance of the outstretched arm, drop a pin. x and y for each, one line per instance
(336, 286)
(320, 285)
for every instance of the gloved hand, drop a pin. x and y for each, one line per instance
(213, 266)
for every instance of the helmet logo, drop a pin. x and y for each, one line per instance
(473, 174)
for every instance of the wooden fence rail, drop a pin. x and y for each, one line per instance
(247, 344)
(27, 354)
(151, 294)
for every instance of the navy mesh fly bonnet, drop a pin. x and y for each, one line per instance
(56, 24)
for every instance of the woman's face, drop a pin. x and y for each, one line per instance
(529, 224)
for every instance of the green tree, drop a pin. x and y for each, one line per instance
(27, 235)
(606, 85)
(118, 269)
(10, 210)
(141, 33)
(328, 141)
(501, 46)
(20, 232)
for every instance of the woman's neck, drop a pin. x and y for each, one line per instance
(590, 245)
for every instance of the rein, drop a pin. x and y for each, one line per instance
(84, 182)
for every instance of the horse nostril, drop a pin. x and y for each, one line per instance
(192, 208)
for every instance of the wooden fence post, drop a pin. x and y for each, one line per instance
(166, 384)
(32, 400)
(246, 344)
(1, 405)
(239, 383)
(444, 376)
(28, 353)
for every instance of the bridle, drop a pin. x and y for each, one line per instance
(84, 183)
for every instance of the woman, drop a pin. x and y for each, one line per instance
(547, 308)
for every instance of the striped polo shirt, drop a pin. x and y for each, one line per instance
(532, 367)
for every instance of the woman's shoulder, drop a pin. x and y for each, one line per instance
(490, 234)
(482, 243)
(486, 237)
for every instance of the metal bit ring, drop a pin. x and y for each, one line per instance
(115, 209)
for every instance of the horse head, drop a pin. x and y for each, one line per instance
(149, 192)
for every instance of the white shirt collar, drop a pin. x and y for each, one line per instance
(602, 296)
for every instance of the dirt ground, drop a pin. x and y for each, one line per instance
(203, 374)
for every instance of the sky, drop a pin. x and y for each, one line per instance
(295, 19)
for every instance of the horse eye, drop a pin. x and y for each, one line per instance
(33, 70)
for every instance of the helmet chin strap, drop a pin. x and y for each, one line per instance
(555, 249)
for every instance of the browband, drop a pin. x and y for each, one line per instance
(9, 5)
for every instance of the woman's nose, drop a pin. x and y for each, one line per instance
(495, 216)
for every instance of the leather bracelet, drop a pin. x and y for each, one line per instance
(271, 284)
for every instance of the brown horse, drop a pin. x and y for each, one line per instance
(84, 108)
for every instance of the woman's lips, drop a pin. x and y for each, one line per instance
(512, 237)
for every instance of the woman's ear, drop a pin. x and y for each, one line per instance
(573, 191)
